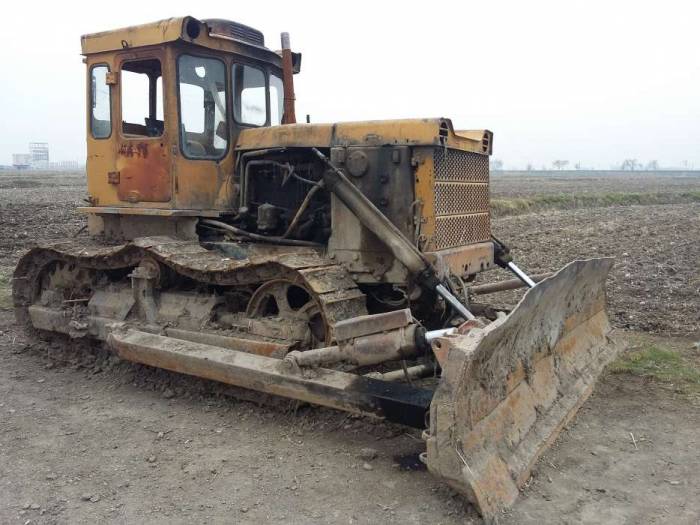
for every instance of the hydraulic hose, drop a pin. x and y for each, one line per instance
(255, 236)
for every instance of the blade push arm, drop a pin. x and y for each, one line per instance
(375, 221)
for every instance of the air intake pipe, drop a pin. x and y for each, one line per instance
(289, 116)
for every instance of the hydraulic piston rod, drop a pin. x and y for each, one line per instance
(454, 302)
(521, 274)
(391, 345)
(504, 259)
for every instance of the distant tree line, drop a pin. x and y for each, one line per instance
(633, 164)
(626, 165)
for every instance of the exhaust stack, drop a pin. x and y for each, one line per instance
(289, 116)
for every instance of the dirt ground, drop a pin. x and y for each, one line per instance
(85, 438)
(527, 184)
(655, 284)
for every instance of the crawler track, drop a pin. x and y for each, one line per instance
(231, 265)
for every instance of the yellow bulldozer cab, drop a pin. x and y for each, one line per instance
(167, 102)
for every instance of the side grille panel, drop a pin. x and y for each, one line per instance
(461, 198)
(461, 166)
(460, 230)
(455, 198)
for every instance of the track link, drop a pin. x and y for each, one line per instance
(233, 265)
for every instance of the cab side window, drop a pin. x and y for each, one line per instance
(101, 112)
(249, 100)
(276, 100)
(142, 98)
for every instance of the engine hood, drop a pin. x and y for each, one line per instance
(405, 132)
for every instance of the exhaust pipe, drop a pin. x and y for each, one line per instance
(289, 116)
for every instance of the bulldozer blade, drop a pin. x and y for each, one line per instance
(509, 388)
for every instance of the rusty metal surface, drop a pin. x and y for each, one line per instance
(372, 324)
(158, 212)
(463, 260)
(289, 114)
(508, 389)
(510, 284)
(232, 342)
(397, 132)
(366, 350)
(328, 388)
(144, 168)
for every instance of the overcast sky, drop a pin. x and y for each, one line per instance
(593, 82)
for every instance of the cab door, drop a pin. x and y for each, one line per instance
(142, 154)
(100, 161)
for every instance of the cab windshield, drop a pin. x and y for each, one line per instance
(202, 96)
(258, 100)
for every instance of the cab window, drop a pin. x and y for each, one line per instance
(202, 100)
(276, 100)
(249, 95)
(101, 113)
(142, 98)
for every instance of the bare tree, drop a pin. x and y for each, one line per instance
(652, 165)
(529, 167)
(629, 165)
(560, 164)
(496, 164)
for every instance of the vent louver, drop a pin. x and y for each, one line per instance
(234, 30)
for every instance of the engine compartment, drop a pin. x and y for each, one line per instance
(282, 195)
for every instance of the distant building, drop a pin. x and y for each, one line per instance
(65, 165)
(21, 161)
(38, 159)
(39, 153)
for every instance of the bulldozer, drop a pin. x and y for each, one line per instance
(332, 264)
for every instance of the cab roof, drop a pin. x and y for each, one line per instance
(217, 34)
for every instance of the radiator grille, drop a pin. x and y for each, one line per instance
(462, 166)
(461, 198)
(455, 198)
(460, 230)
